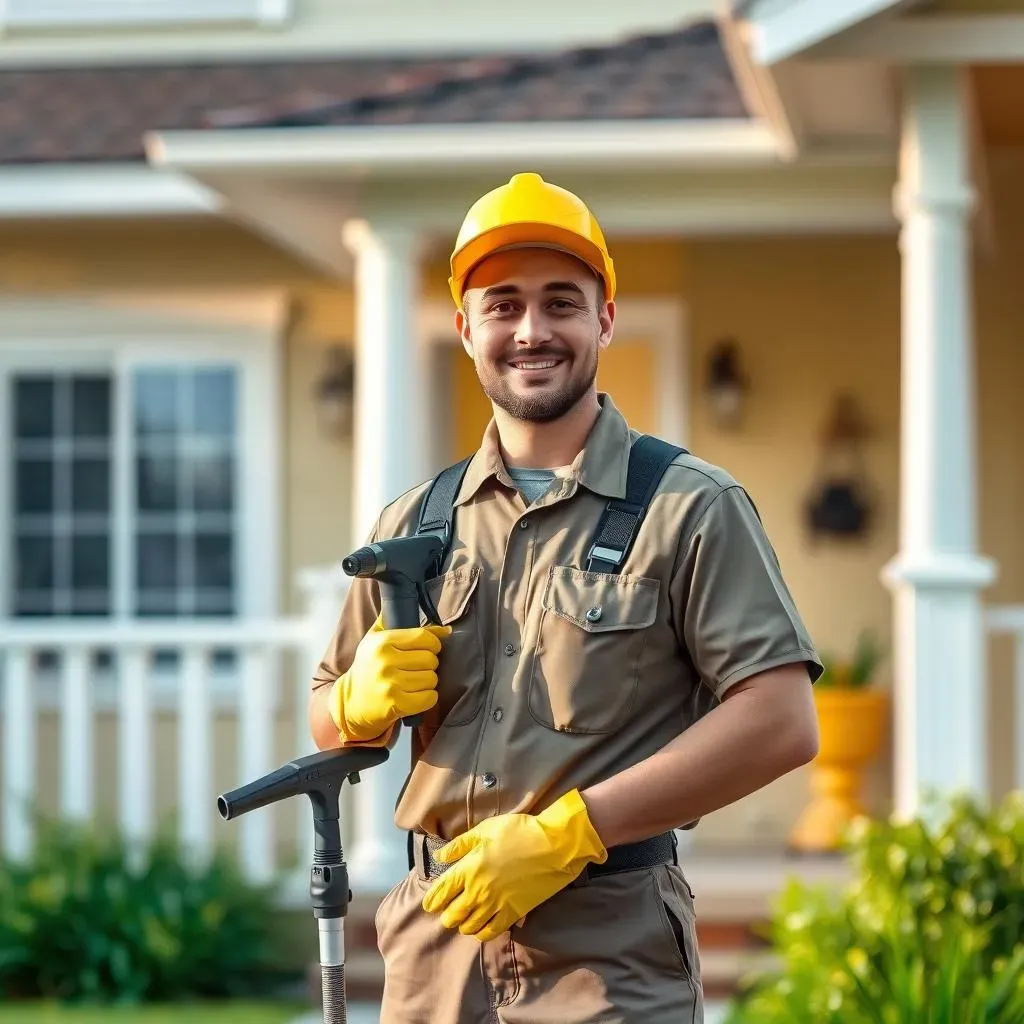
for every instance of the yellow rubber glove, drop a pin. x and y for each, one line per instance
(509, 864)
(393, 674)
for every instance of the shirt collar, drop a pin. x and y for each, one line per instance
(600, 466)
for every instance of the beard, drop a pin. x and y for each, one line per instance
(547, 404)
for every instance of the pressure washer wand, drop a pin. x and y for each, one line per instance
(320, 776)
(401, 567)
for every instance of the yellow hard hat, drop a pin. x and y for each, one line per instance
(529, 211)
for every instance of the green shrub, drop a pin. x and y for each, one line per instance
(930, 930)
(80, 923)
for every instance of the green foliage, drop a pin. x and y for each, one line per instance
(80, 923)
(930, 929)
(859, 671)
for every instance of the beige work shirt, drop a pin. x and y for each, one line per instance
(535, 695)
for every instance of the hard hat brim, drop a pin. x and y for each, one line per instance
(525, 235)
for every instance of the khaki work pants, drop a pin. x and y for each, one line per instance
(614, 949)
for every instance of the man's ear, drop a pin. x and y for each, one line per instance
(462, 326)
(606, 318)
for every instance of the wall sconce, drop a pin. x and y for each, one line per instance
(726, 383)
(335, 392)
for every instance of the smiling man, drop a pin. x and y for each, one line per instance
(582, 700)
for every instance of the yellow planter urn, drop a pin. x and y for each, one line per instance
(852, 724)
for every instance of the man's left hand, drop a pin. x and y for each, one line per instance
(507, 865)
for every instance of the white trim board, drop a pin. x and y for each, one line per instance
(430, 148)
(940, 39)
(663, 321)
(784, 30)
(50, 14)
(107, 190)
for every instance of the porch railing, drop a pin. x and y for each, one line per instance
(1008, 620)
(69, 675)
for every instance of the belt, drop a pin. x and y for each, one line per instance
(647, 853)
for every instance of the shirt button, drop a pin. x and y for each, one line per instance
(593, 614)
(497, 714)
(489, 780)
(510, 649)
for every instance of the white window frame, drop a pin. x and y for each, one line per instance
(53, 335)
(56, 14)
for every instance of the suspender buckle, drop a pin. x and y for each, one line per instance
(607, 555)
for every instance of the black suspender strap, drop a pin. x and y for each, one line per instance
(437, 511)
(649, 457)
(617, 528)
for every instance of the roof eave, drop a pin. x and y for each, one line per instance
(33, 191)
(362, 150)
(783, 31)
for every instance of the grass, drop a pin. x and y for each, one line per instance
(228, 1012)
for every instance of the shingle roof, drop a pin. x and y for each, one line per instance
(101, 114)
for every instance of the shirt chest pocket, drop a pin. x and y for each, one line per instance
(460, 670)
(590, 638)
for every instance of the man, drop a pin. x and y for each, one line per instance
(573, 718)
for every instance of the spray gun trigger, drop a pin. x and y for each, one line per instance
(428, 606)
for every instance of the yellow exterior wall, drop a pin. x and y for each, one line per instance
(812, 315)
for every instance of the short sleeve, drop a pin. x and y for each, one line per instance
(733, 611)
(359, 611)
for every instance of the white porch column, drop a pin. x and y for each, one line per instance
(940, 708)
(391, 455)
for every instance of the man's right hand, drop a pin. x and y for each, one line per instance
(393, 675)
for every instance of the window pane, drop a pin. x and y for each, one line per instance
(216, 602)
(33, 407)
(33, 603)
(33, 486)
(90, 602)
(90, 405)
(157, 484)
(90, 562)
(156, 402)
(90, 485)
(213, 555)
(212, 483)
(213, 402)
(158, 603)
(33, 563)
(157, 561)
(185, 419)
(61, 499)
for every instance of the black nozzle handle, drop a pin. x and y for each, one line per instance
(400, 567)
(400, 609)
(320, 776)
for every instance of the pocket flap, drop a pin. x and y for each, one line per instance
(451, 593)
(599, 603)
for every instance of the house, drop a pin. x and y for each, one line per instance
(213, 212)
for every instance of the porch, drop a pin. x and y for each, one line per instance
(140, 726)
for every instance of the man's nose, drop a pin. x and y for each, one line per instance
(534, 328)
